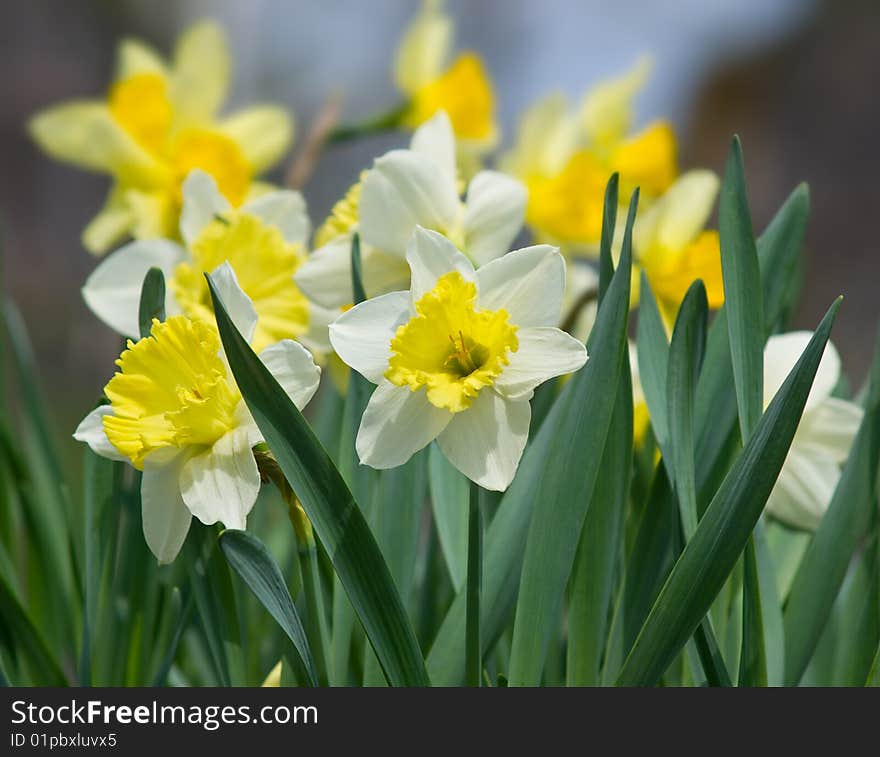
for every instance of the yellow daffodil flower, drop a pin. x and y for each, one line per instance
(405, 189)
(671, 245)
(264, 242)
(176, 414)
(458, 356)
(823, 438)
(565, 158)
(431, 83)
(158, 122)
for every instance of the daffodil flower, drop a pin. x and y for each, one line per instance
(264, 243)
(458, 356)
(674, 249)
(431, 83)
(158, 122)
(176, 414)
(565, 158)
(405, 189)
(823, 438)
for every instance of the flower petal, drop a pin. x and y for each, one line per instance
(111, 224)
(830, 427)
(200, 72)
(780, 355)
(91, 431)
(404, 190)
(494, 212)
(423, 49)
(804, 488)
(545, 139)
(317, 338)
(431, 255)
(396, 424)
(133, 57)
(529, 284)
(222, 483)
(113, 290)
(165, 517)
(294, 368)
(262, 132)
(607, 110)
(238, 305)
(543, 353)
(486, 441)
(362, 336)
(435, 140)
(202, 201)
(286, 210)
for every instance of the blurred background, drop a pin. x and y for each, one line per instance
(795, 78)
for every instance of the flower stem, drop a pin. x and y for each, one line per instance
(374, 125)
(473, 641)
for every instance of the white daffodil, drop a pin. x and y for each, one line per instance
(264, 243)
(458, 356)
(823, 438)
(403, 190)
(176, 413)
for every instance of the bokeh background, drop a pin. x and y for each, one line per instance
(797, 79)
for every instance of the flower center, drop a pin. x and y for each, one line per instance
(450, 347)
(465, 93)
(141, 106)
(215, 154)
(172, 389)
(264, 264)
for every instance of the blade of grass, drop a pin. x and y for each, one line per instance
(449, 503)
(473, 651)
(653, 355)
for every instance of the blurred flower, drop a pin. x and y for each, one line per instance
(457, 358)
(823, 438)
(159, 121)
(431, 83)
(405, 189)
(672, 247)
(176, 413)
(565, 159)
(264, 243)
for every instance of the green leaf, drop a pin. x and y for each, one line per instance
(251, 560)
(473, 651)
(449, 502)
(152, 303)
(827, 558)
(563, 487)
(600, 545)
(333, 511)
(753, 658)
(653, 354)
(567, 442)
(609, 219)
(721, 535)
(771, 608)
(357, 279)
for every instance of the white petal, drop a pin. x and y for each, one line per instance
(113, 290)
(396, 424)
(494, 212)
(238, 305)
(317, 337)
(201, 202)
(581, 285)
(486, 441)
(294, 368)
(165, 517)
(362, 336)
(529, 284)
(804, 488)
(431, 255)
(543, 353)
(286, 210)
(91, 431)
(404, 190)
(222, 483)
(435, 140)
(780, 355)
(326, 276)
(830, 428)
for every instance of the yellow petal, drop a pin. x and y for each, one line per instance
(109, 226)
(465, 93)
(607, 110)
(134, 57)
(273, 680)
(85, 134)
(200, 73)
(545, 139)
(648, 160)
(153, 214)
(424, 48)
(263, 134)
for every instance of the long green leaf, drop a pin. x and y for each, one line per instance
(653, 355)
(728, 522)
(251, 560)
(564, 487)
(449, 502)
(152, 302)
(473, 650)
(606, 241)
(331, 508)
